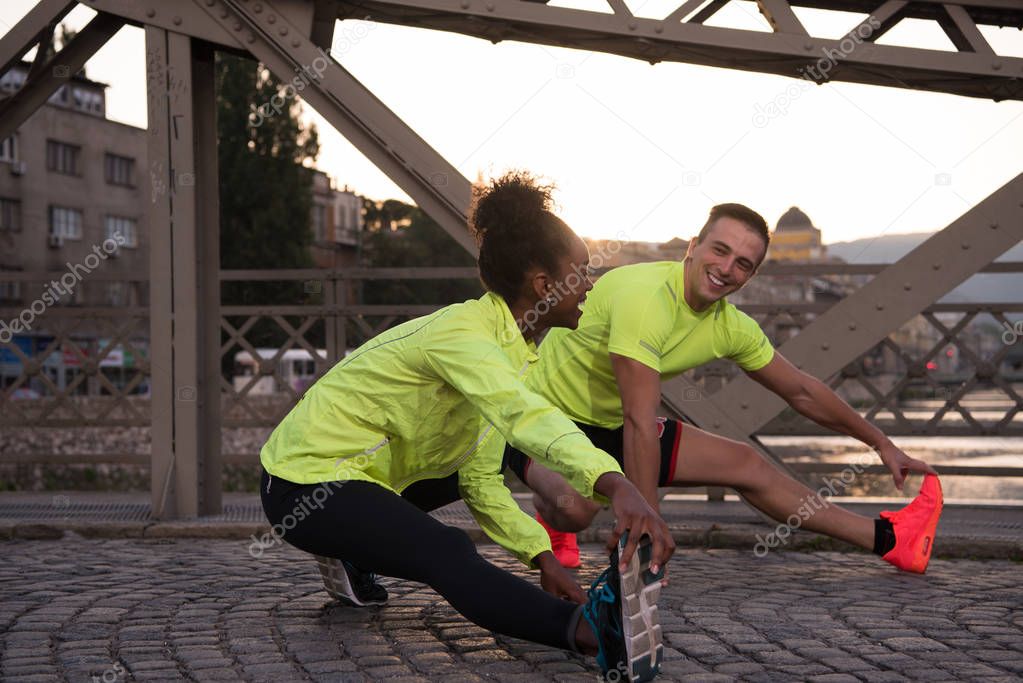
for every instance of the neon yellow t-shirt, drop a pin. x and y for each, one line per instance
(639, 311)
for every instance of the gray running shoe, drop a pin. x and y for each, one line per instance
(350, 585)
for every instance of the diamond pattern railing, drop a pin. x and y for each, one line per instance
(947, 372)
(75, 365)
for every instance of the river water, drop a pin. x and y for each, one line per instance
(969, 451)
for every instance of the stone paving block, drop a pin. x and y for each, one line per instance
(804, 670)
(387, 671)
(738, 668)
(881, 676)
(901, 644)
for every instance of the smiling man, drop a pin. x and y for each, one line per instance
(649, 322)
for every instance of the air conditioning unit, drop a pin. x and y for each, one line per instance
(18, 167)
(56, 241)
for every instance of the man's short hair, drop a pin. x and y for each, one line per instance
(753, 220)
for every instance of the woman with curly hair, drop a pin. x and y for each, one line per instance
(419, 415)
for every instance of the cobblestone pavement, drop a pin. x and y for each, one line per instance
(119, 610)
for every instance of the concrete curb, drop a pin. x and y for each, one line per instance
(714, 536)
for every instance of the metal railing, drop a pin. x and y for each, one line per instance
(71, 370)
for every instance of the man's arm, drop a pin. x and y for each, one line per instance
(814, 399)
(640, 390)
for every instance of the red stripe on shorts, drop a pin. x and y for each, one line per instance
(674, 452)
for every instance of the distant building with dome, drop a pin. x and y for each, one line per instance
(795, 238)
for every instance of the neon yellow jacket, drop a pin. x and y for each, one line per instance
(431, 396)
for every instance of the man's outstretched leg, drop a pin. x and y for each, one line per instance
(693, 457)
(903, 538)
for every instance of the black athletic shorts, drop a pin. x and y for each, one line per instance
(611, 440)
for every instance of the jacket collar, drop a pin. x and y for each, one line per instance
(506, 329)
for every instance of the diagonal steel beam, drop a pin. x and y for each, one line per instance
(780, 16)
(963, 32)
(56, 71)
(786, 52)
(376, 131)
(30, 30)
(863, 319)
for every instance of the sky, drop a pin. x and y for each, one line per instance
(647, 150)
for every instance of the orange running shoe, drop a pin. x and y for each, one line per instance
(564, 545)
(914, 527)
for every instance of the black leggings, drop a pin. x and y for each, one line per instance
(384, 533)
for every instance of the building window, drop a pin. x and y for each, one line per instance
(119, 170)
(117, 294)
(62, 157)
(127, 228)
(10, 291)
(10, 215)
(9, 149)
(319, 223)
(12, 80)
(87, 100)
(65, 223)
(60, 95)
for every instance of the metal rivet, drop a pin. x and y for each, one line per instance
(717, 424)
(744, 405)
(237, 26)
(659, 28)
(257, 8)
(907, 286)
(490, 7)
(150, 13)
(271, 19)
(465, 4)
(996, 66)
(965, 245)
(223, 13)
(633, 25)
(993, 226)
(808, 46)
(251, 38)
(936, 266)
(284, 30)
(209, 3)
(177, 21)
(879, 307)
(825, 347)
(296, 43)
(852, 326)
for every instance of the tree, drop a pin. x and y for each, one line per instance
(265, 188)
(403, 236)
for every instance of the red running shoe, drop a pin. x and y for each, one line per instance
(914, 527)
(564, 545)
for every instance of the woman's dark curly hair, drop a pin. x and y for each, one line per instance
(516, 230)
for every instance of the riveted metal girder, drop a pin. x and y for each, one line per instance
(184, 275)
(36, 25)
(973, 71)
